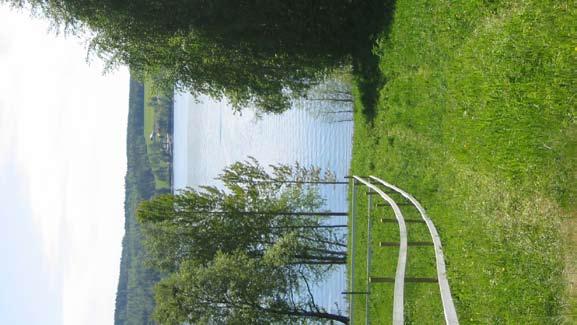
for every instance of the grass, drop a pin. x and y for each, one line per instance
(477, 118)
(152, 149)
(148, 112)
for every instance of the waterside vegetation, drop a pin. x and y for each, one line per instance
(135, 296)
(473, 110)
(246, 253)
(254, 52)
(158, 127)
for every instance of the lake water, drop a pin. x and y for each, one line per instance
(208, 136)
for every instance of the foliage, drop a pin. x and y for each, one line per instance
(235, 289)
(253, 52)
(331, 100)
(134, 297)
(477, 121)
(255, 212)
(254, 223)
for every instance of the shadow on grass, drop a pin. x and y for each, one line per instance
(374, 21)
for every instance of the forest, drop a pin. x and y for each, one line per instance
(134, 297)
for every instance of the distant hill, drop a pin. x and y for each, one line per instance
(135, 296)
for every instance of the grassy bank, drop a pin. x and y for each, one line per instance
(157, 128)
(476, 116)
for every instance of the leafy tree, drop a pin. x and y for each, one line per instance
(243, 254)
(257, 211)
(252, 51)
(330, 100)
(236, 289)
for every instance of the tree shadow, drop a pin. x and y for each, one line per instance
(374, 20)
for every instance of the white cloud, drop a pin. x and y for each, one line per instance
(64, 124)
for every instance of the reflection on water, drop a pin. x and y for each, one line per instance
(208, 136)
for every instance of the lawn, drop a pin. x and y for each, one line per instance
(148, 112)
(153, 149)
(475, 114)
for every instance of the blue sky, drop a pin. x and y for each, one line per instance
(62, 166)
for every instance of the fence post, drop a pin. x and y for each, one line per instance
(369, 253)
(352, 238)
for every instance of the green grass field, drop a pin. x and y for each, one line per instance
(152, 149)
(148, 112)
(476, 116)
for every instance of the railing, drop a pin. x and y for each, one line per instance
(372, 183)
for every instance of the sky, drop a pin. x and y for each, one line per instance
(62, 167)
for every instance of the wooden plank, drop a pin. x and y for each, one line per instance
(376, 279)
(446, 297)
(398, 290)
(353, 221)
(421, 280)
(411, 243)
(383, 220)
(380, 205)
(369, 252)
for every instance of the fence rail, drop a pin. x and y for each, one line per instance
(377, 186)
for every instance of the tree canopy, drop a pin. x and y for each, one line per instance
(252, 51)
(255, 212)
(266, 228)
(236, 289)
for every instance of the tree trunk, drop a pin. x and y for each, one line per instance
(337, 112)
(312, 259)
(312, 314)
(328, 252)
(338, 318)
(275, 213)
(346, 100)
(324, 241)
(306, 313)
(311, 227)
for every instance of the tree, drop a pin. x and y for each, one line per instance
(331, 100)
(244, 253)
(254, 52)
(257, 211)
(236, 289)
